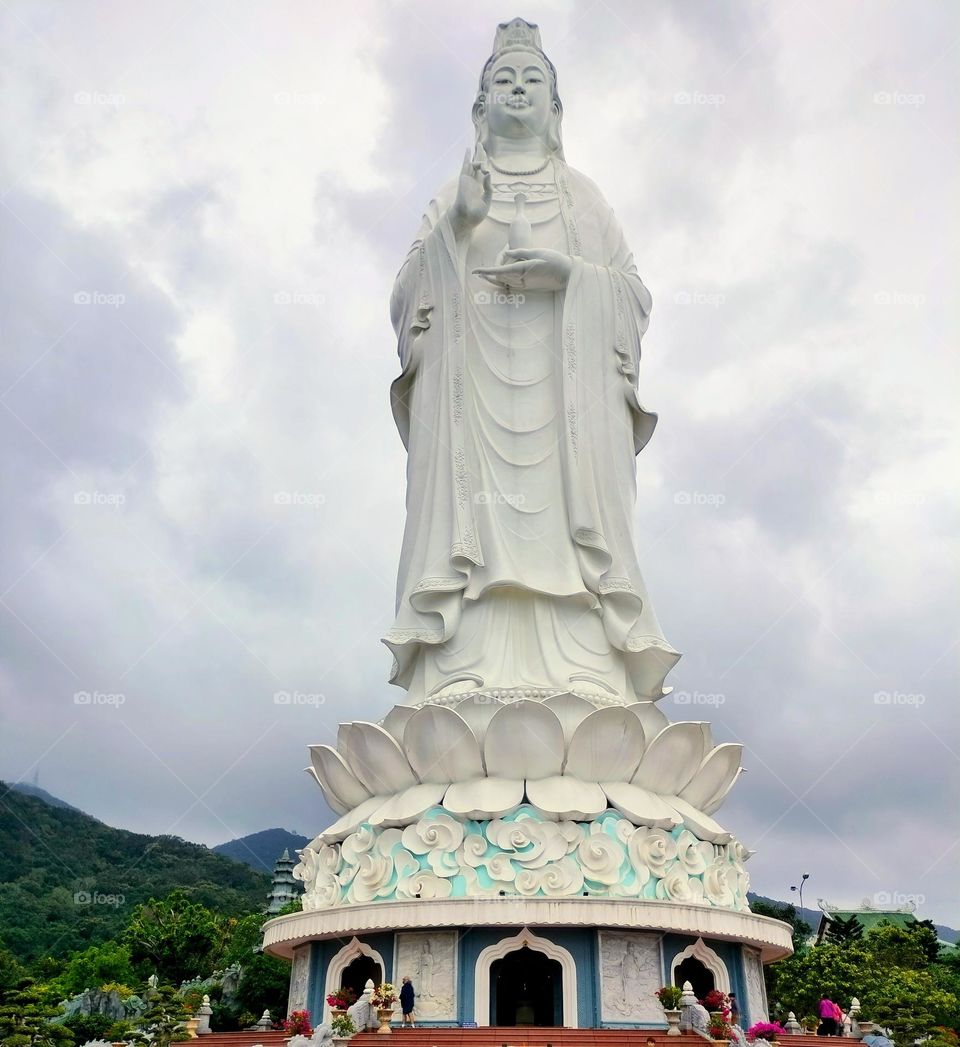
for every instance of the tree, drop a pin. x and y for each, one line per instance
(907, 1002)
(946, 975)
(887, 969)
(914, 946)
(176, 938)
(11, 972)
(797, 983)
(86, 1027)
(25, 1019)
(843, 930)
(243, 936)
(930, 939)
(265, 980)
(264, 985)
(109, 962)
(160, 1025)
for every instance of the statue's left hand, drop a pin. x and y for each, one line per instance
(531, 269)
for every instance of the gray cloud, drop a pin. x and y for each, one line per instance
(252, 196)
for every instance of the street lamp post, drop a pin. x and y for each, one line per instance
(799, 890)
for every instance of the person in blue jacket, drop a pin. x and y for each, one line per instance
(406, 1002)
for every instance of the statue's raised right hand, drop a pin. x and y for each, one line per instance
(474, 193)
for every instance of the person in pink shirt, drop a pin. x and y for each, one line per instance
(829, 1014)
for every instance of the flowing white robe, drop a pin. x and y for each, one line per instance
(520, 416)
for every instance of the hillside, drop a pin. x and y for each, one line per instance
(42, 794)
(261, 850)
(812, 916)
(68, 881)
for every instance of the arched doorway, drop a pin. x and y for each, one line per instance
(526, 988)
(699, 965)
(697, 974)
(358, 971)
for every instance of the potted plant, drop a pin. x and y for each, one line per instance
(340, 1000)
(715, 1001)
(810, 1024)
(383, 999)
(718, 1027)
(669, 997)
(343, 1028)
(865, 1027)
(298, 1024)
(769, 1031)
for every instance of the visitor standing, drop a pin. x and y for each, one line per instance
(407, 995)
(827, 1012)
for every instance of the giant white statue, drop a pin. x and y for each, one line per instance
(519, 314)
(530, 756)
(528, 778)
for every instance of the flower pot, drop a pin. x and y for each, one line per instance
(673, 1020)
(866, 1028)
(190, 1027)
(385, 1015)
(340, 1040)
(338, 1012)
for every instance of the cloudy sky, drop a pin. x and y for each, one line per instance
(204, 206)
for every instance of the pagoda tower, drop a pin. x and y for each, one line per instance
(284, 887)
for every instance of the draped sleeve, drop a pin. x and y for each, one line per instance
(432, 263)
(606, 310)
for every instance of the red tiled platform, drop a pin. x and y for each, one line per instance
(494, 1036)
(241, 1039)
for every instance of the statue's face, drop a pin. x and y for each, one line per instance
(519, 99)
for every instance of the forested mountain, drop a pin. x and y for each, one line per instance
(261, 850)
(68, 881)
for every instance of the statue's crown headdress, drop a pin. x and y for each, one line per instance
(517, 33)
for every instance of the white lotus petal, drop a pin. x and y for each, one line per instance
(331, 801)
(340, 783)
(717, 801)
(524, 740)
(375, 758)
(351, 821)
(698, 823)
(567, 797)
(672, 758)
(441, 747)
(570, 710)
(650, 717)
(484, 797)
(396, 720)
(478, 710)
(606, 745)
(408, 806)
(714, 775)
(640, 806)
